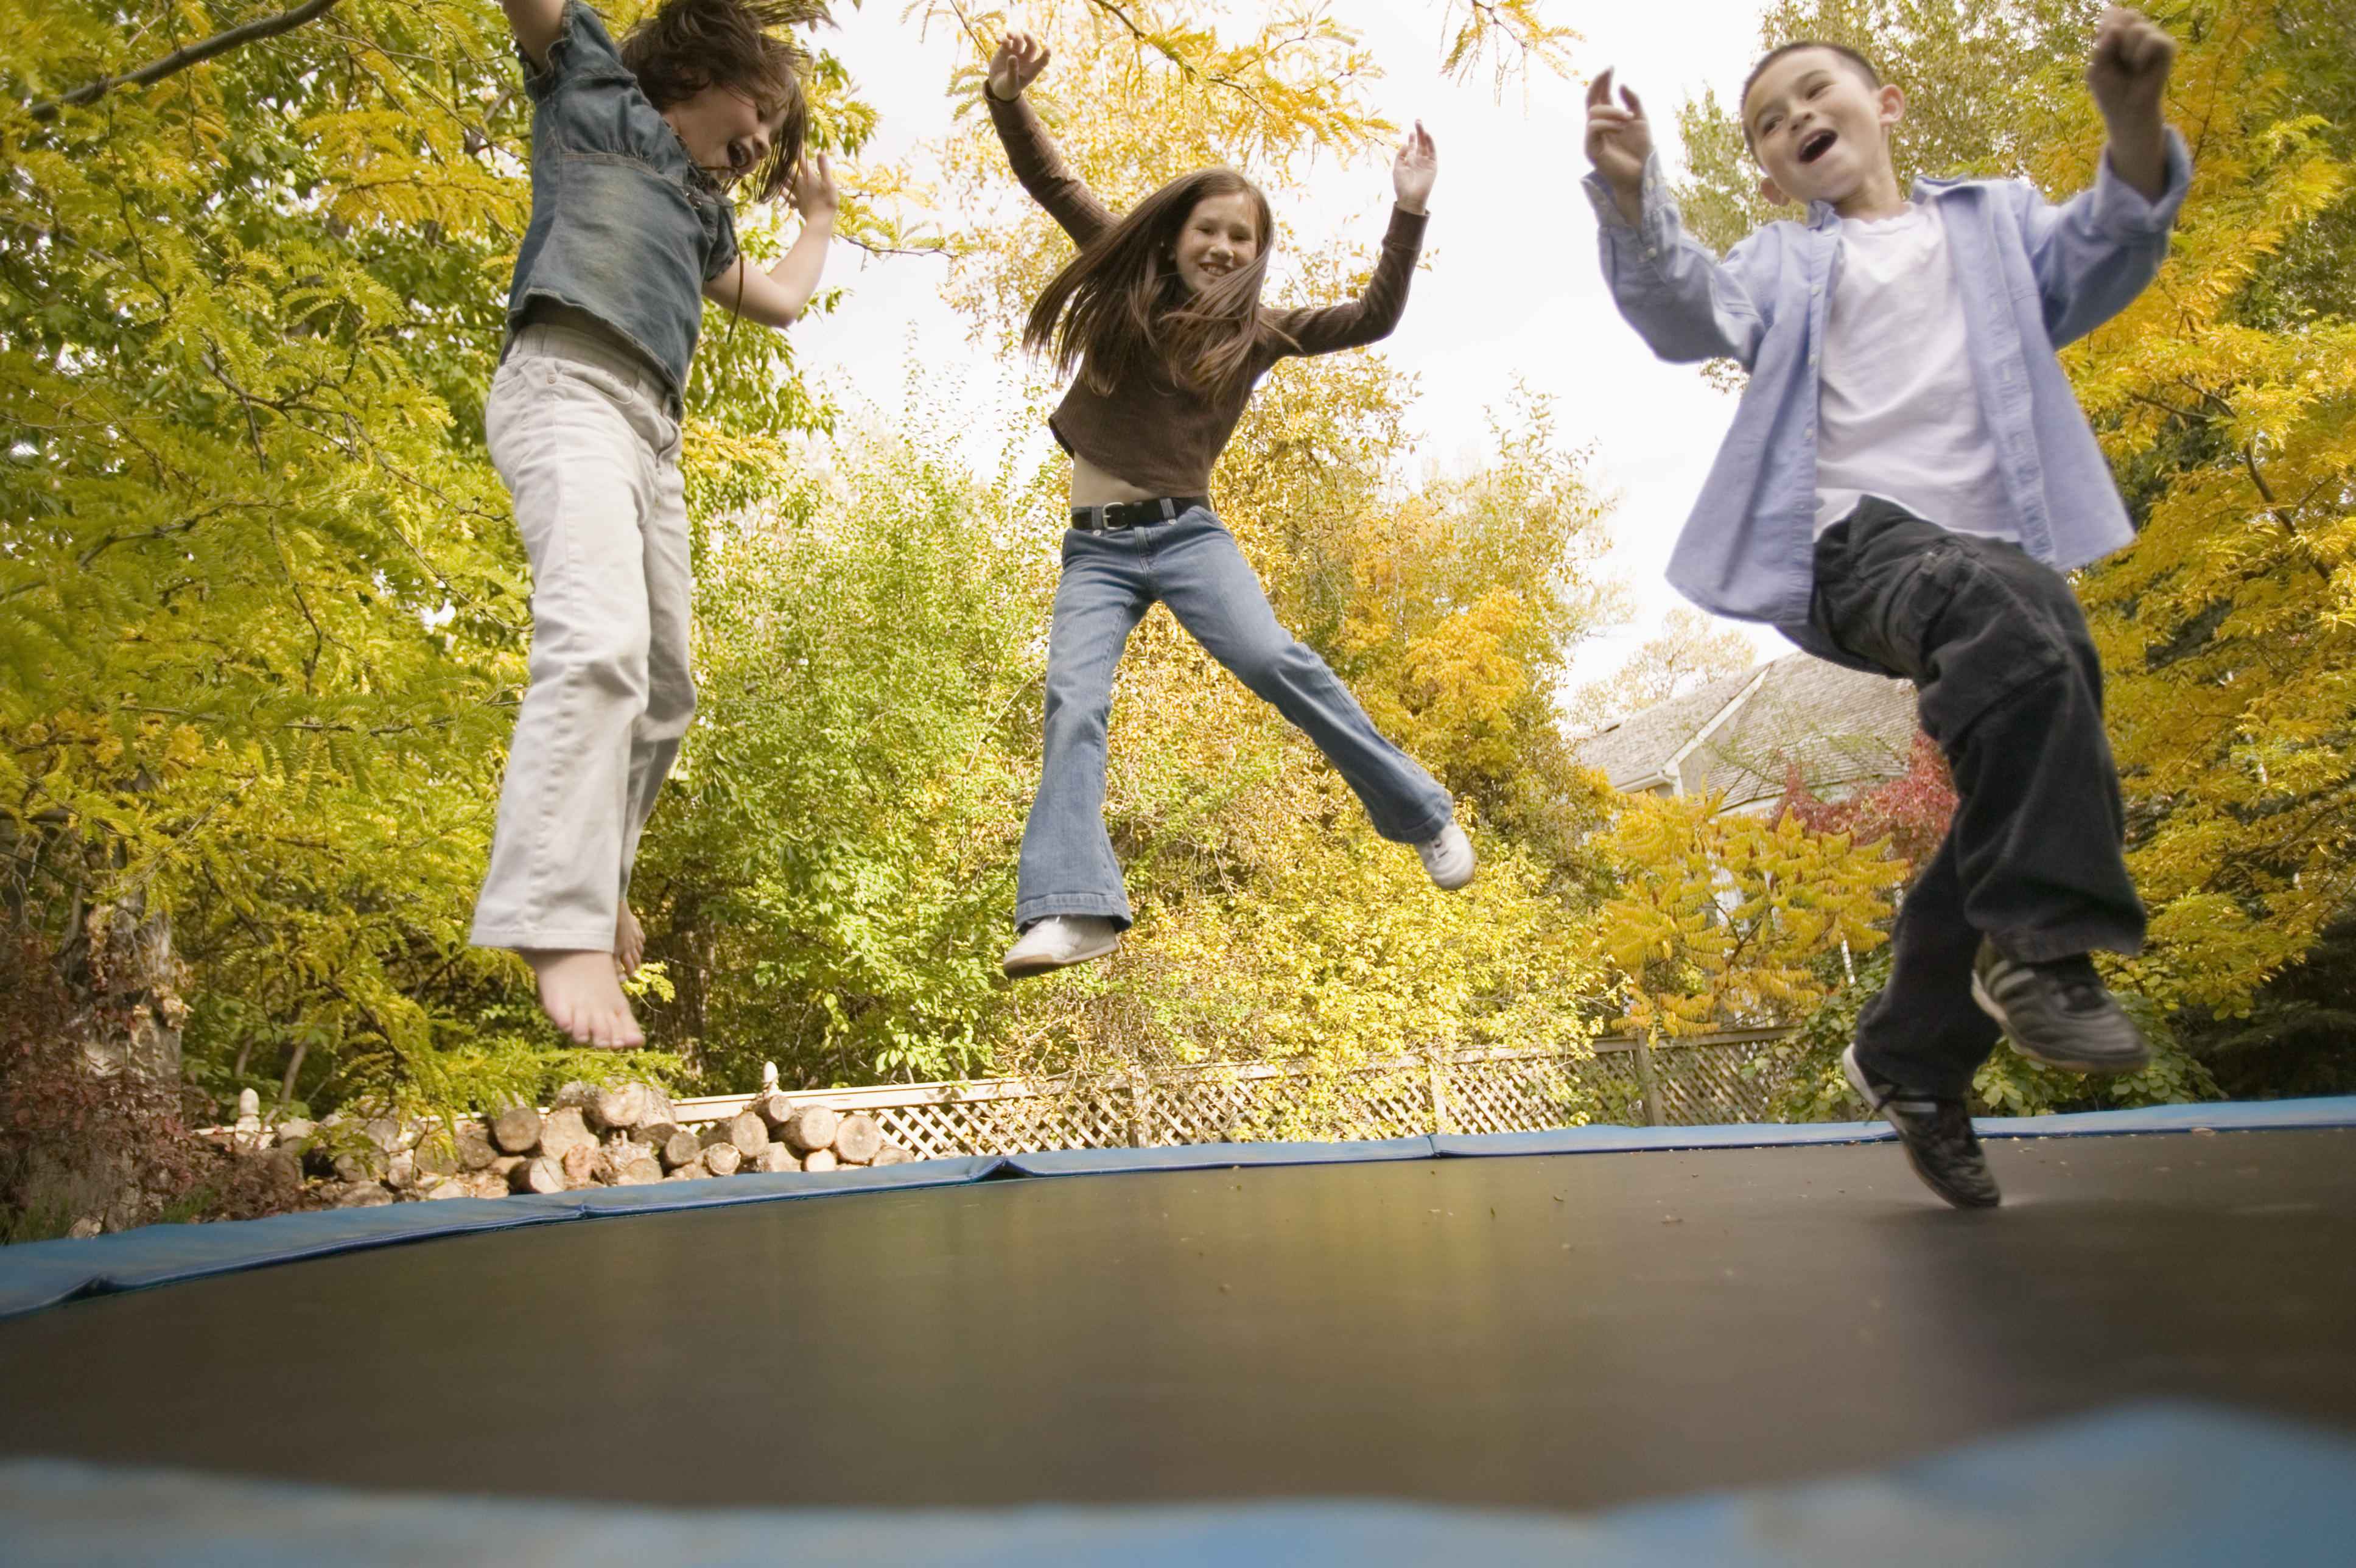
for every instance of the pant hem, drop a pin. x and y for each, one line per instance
(1951, 1089)
(1033, 909)
(521, 940)
(1431, 830)
(2066, 942)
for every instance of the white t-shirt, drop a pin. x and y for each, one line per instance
(1898, 415)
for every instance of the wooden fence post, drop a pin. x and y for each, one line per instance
(1140, 1110)
(1441, 1121)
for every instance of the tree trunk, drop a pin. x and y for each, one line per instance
(1645, 1080)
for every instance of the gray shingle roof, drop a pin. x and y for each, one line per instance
(1840, 727)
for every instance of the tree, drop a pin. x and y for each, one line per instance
(1688, 651)
(1724, 919)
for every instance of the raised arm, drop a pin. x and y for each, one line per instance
(1373, 314)
(536, 23)
(1683, 300)
(2094, 252)
(777, 297)
(1030, 151)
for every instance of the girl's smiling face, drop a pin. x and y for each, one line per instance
(1821, 132)
(1221, 236)
(726, 133)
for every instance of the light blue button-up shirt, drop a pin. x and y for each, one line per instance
(2032, 276)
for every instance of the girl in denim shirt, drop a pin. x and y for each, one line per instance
(1160, 315)
(635, 149)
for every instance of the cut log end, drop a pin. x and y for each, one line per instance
(857, 1137)
(516, 1129)
(540, 1174)
(810, 1128)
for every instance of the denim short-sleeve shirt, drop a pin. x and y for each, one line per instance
(623, 224)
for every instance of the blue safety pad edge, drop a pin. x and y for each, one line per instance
(2146, 1487)
(34, 1275)
(1211, 1156)
(2238, 1115)
(38, 1274)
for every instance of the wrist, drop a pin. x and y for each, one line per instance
(990, 90)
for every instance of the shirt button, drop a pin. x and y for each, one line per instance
(1809, 433)
(1652, 250)
(1815, 288)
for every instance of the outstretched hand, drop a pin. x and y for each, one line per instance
(1619, 142)
(1020, 57)
(1415, 169)
(2127, 69)
(812, 190)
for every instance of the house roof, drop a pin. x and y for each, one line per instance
(1839, 727)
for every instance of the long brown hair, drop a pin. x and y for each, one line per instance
(1121, 307)
(686, 46)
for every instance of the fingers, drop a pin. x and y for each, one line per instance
(1599, 91)
(1635, 105)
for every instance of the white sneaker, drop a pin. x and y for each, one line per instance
(1448, 857)
(1060, 940)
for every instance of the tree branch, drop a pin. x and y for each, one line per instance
(185, 56)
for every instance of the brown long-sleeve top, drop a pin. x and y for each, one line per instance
(1153, 430)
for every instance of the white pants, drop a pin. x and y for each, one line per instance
(588, 444)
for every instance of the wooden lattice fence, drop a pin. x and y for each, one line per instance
(1723, 1077)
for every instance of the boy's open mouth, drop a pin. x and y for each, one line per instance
(1817, 143)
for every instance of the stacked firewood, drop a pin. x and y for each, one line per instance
(595, 1137)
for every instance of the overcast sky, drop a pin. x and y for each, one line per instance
(1514, 289)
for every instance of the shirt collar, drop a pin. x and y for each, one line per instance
(1924, 192)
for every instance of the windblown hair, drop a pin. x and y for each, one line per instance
(1120, 307)
(1857, 62)
(684, 47)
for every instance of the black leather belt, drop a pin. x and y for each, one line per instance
(1129, 514)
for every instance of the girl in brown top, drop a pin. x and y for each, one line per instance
(1160, 314)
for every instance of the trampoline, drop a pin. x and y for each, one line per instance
(1598, 1319)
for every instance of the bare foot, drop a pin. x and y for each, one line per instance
(580, 992)
(629, 944)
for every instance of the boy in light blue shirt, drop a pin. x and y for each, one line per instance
(1907, 478)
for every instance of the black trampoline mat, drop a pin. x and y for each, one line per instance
(1559, 1331)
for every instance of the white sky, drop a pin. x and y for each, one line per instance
(1514, 289)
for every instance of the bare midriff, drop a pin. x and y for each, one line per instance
(1092, 486)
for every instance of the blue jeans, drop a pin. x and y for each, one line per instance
(1191, 564)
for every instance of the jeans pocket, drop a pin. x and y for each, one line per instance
(1907, 616)
(602, 381)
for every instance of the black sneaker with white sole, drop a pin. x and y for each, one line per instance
(2058, 1013)
(1938, 1136)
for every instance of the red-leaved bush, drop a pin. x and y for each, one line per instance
(1910, 811)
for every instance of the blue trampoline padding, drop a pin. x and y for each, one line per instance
(2150, 1486)
(41, 1273)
